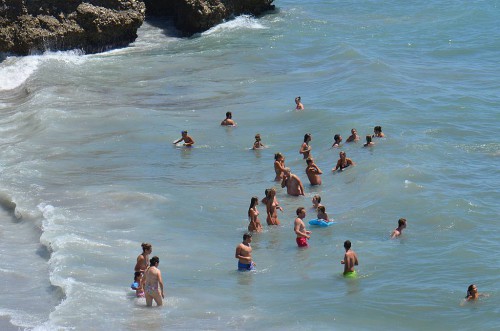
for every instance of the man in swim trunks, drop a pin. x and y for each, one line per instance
(293, 183)
(397, 231)
(188, 141)
(349, 261)
(229, 120)
(300, 228)
(152, 278)
(313, 172)
(244, 254)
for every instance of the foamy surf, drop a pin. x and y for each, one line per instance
(240, 22)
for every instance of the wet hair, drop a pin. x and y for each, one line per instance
(146, 246)
(469, 290)
(257, 136)
(269, 191)
(154, 260)
(318, 198)
(342, 153)
(297, 99)
(322, 209)
(266, 191)
(287, 170)
(229, 115)
(277, 156)
(368, 138)
(347, 244)
(307, 135)
(402, 221)
(253, 202)
(184, 132)
(378, 128)
(336, 137)
(247, 235)
(309, 160)
(299, 210)
(137, 274)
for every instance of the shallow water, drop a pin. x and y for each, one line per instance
(86, 154)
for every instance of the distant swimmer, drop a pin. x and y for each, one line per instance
(473, 294)
(350, 260)
(298, 103)
(228, 121)
(369, 142)
(244, 254)
(316, 201)
(313, 172)
(143, 259)
(353, 137)
(343, 162)
(378, 132)
(153, 283)
(253, 216)
(300, 229)
(293, 183)
(188, 141)
(322, 215)
(279, 166)
(272, 206)
(258, 144)
(337, 139)
(305, 149)
(399, 230)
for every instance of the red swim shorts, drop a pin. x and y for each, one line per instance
(302, 242)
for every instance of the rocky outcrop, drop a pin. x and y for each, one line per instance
(33, 26)
(192, 16)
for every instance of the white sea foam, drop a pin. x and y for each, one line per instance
(240, 22)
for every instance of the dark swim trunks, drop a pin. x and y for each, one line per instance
(302, 242)
(245, 267)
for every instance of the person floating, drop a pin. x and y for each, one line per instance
(298, 103)
(188, 141)
(399, 230)
(244, 254)
(293, 183)
(228, 121)
(322, 215)
(350, 260)
(343, 162)
(313, 172)
(300, 229)
(153, 283)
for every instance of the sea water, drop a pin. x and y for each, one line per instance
(86, 153)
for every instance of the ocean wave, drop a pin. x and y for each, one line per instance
(240, 22)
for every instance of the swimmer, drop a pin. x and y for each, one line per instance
(343, 162)
(272, 206)
(378, 132)
(399, 230)
(305, 149)
(258, 144)
(349, 261)
(153, 283)
(369, 142)
(473, 294)
(293, 183)
(322, 215)
(300, 229)
(188, 141)
(316, 201)
(353, 137)
(228, 121)
(137, 284)
(336, 140)
(253, 216)
(298, 103)
(313, 172)
(279, 166)
(244, 254)
(143, 259)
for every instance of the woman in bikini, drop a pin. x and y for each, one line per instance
(253, 215)
(343, 162)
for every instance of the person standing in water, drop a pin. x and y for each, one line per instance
(258, 144)
(300, 229)
(293, 183)
(153, 283)
(298, 104)
(279, 166)
(313, 172)
(228, 121)
(244, 254)
(272, 206)
(305, 149)
(143, 259)
(350, 260)
(253, 216)
(399, 230)
(188, 141)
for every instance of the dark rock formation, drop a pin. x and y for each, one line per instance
(32, 26)
(192, 16)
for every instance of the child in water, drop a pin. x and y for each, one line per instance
(258, 144)
(322, 215)
(137, 285)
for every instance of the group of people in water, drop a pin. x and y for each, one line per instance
(294, 187)
(148, 283)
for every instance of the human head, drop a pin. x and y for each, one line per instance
(300, 210)
(337, 138)
(229, 115)
(402, 222)
(297, 100)
(184, 132)
(353, 131)
(257, 136)
(316, 199)
(309, 160)
(347, 245)
(377, 129)
(278, 156)
(155, 260)
(287, 171)
(137, 276)
(254, 201)
(471, 290)
(271, 192)
(146, 247)
(368, 139)
(307, 137)
(322, 209)
(247, 237)
(342, 154)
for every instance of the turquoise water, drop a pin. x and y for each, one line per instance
(86, 153)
